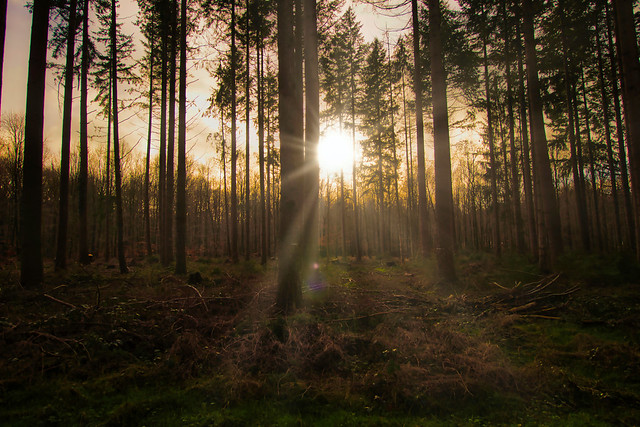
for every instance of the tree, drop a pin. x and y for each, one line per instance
(181, 200)
(116, 141)
(423, 221)
(626, 37)
(83, 176)
(3, 29)
(551, 230)
(31, 269)
(312, 130)
(63, 215)
(442, 156)
(290, 267)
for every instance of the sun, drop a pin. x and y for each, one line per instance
(335, 152)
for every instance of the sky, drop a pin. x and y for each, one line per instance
(133, 127)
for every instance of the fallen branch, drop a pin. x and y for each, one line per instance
(59, 301)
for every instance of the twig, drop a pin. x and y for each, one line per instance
(199, 294)
(68, 304)
(380, 313)
(541, 316)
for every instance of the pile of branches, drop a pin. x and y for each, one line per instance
(541, 299)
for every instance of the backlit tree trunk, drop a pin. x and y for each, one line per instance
(289, 292)
(544, 180)
(31, 208)
(181, 184)
(63, 212)
(442, 155)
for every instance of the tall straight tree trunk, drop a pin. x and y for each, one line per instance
(607, 134)
(312, 132)
(542, 165)
(626, 37)
(234, 153)
(526, 161)
(107, 182)
(624, 175)
(423, 221)
(442, 155)
(3, 30)
(181, 184)
(171, 137)
(162, 161)
(31, 270)
(408, 152)
(497, 239)
(573, 127)
(63, 212)
(592, 167)
(247, 183)
(515, 178)
(354, 169)
(116, 142)
(263, 205)
(289, 294)
(147, 216)
(83, 177)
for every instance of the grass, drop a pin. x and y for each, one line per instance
(377, 343)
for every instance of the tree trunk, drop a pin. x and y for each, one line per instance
(147, 219)
(442, 155)
(607, 134)
(542, 165)
(83, 178)
(354, 169)
(515, 179)
(63, 212)
(626, 36)
(289, 294)
(263, 205)
(247, 193)
(116, 143)
(624, 175)
(312, 132)
(3, 30)
(592, 167)
(171, 137)
(573, 127)
(526, 161)
(181, 184)
(31, 270)
(425, 238)
(162, 161)
(497, 239)
(234, 153)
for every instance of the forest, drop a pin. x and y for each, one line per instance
(320, 212)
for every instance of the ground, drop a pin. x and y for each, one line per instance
(379, 342)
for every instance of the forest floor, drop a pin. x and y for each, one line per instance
(377, 343)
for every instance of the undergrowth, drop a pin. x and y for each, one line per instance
(377, 343)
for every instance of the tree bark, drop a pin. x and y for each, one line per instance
(425, 238)
(83, 177)
(234, 153)
(63, 211)
(181, 184)
(542, 165)
(116, 143)
(31, 270)
(312, 132)
(626, 36)
(497, 238)
(147, 216)
(442, 155)
(289, 294)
